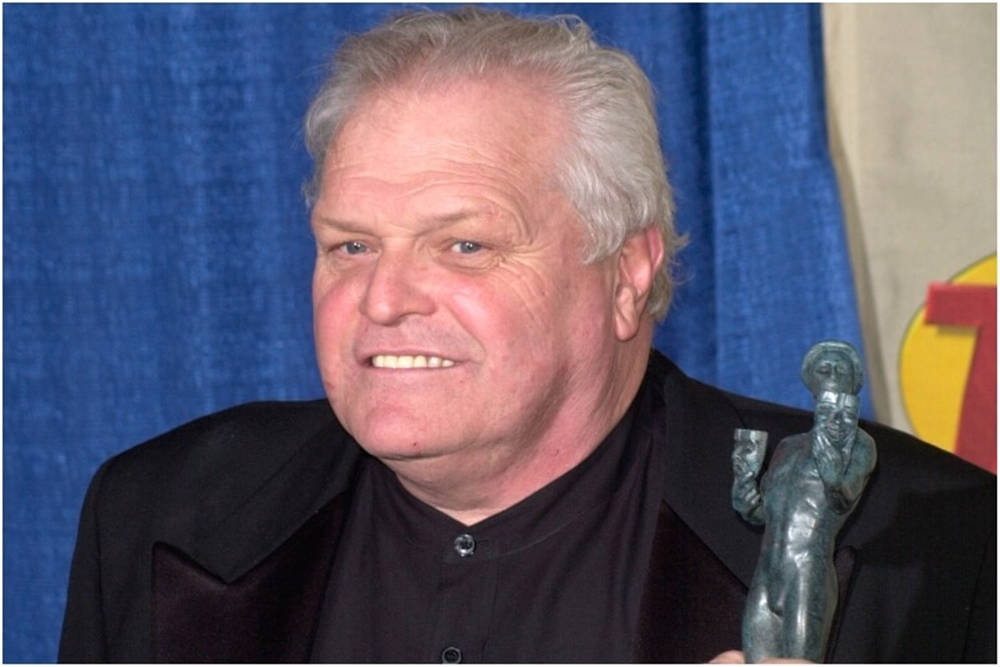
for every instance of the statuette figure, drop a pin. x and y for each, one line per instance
(812, 484)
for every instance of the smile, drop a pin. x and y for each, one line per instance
(410, 361)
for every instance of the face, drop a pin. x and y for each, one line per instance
(453, 314)
(832, 371)
(837, 415)
(749, 451)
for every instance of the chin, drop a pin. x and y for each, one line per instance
(396, 435)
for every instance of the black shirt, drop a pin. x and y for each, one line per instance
(557, 577)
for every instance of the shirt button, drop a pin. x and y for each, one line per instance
(465, 546)
(451, 656)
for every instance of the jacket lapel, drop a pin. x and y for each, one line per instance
(250, 586)
(697, 436)
(693, 605)
(268, 614)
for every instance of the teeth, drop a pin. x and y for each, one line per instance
(410, 361)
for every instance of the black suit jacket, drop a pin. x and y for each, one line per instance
(214, 541)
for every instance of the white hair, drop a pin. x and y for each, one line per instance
(613, 170)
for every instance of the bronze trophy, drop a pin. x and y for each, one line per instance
(812, 484)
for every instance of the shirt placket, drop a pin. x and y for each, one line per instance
(466, 593)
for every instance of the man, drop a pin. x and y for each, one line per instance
(813, 484)
(508, 473)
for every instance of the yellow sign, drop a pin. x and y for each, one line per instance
(935, 363)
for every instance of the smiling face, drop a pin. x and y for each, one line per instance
(454, 319)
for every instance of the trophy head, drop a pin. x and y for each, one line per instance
(832, 365)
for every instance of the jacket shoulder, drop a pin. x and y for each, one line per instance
(225, 489)
(241, 436)
(180, 484)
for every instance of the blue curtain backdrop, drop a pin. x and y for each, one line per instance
(157, 256)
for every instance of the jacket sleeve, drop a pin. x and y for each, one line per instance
(83, 637)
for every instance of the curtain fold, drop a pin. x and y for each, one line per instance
(157, 256)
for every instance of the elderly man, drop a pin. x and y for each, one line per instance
(507, 472)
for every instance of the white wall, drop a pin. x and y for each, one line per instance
(911, 98)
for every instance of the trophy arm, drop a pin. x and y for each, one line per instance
(829, 460)
(859, 468)
(747, 500)
(857, 462)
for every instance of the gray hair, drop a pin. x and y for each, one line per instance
(613, 170)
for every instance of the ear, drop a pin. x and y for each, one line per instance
(639, 260)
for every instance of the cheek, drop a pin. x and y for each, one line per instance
(491, 317)
(510, 315)
(333, 301)
(536, 324)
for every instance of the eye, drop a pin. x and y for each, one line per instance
(353, 248)
(466, 247)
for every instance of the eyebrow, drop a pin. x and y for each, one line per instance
(461, 215)
(317, 220)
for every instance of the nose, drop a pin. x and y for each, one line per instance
(396, 289)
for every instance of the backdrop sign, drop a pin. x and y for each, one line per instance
(948, 365)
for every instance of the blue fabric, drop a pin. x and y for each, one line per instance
(157, 256)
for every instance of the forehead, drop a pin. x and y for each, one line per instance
(833, 356)
(840, 360)
(501, 120)
(481, 151)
